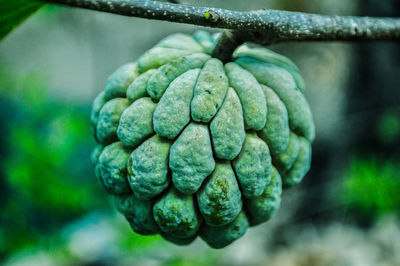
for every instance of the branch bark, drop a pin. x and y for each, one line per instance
(263, 26)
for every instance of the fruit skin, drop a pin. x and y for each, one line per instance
(111, 168)
(148, 168)
(172, 113)
(191, 158)
(136, 122)
(227, 128)
(176, 215)
(138, 213)
(189, 146)
(262, 208)
(109, 119)
(250, 94)
(220, 199)
(209, 92)
(253, 166)
(220, 237)
(276, 132)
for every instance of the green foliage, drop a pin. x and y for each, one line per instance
(130, 241)
(388, 127)
(371, 186)
(199, 259)
(12, 13)
(47, 174)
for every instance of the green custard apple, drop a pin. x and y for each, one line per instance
(189, 146)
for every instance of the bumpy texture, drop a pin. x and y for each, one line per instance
(189, 146)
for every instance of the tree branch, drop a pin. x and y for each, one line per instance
(263, 27)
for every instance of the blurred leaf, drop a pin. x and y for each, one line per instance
(388, 127)
(371, 186)
(211, 257)
(12, 13)
(47, 174)
(129, 240)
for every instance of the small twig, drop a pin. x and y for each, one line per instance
(273, 25)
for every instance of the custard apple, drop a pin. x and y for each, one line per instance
(189, 146)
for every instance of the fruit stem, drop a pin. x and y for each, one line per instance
(227, 43)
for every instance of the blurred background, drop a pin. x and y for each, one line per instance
(53, 211)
